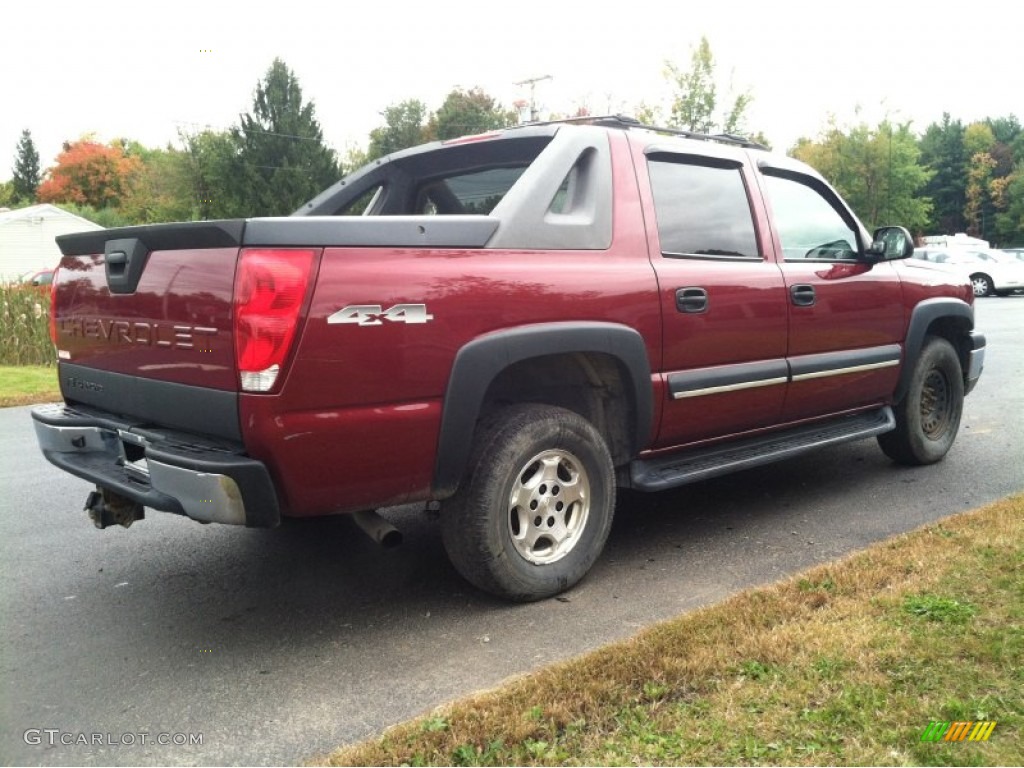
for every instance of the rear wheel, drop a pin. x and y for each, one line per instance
(981, 284)
(928, 417)
(535, 510)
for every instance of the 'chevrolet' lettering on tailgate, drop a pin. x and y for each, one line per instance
(139, 332)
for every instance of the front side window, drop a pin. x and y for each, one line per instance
(809, 227)
(702, 209)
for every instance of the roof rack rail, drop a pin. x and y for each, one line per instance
(625, 121)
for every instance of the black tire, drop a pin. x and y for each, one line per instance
(981, 285)
(928, 417)
(558, 465)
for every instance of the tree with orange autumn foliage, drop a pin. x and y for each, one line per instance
(90, 173)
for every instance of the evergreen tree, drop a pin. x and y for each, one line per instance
(26, 170)
(214, 170)
(281, 155)
(942, 151)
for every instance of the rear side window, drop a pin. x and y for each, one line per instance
(363, 205)
(702, 209)
(476, 192)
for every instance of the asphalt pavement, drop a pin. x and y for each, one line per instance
(126, 647)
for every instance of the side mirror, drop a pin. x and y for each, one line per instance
(890, 243)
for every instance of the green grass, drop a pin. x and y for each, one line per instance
(845, 664)
(25, 384)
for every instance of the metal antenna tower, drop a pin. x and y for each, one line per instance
(532, 82)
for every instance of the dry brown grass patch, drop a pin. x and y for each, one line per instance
(844, 663)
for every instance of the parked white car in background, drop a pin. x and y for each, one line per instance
(990, 271)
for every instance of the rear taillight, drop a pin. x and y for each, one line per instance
(270, 287)
(53, 306)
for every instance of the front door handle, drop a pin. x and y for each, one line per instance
(692, 301)
(802, 295)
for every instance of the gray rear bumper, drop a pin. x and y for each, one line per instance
(210, 481)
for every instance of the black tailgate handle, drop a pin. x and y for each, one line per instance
(125, 259)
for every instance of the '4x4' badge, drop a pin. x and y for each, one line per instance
(374, 314)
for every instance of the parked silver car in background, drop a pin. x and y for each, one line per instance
(990, 271)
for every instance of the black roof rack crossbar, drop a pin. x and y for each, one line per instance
(625, 121)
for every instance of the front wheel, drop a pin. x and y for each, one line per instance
(928, 416)
(535, 510)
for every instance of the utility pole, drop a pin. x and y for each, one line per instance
(532, 82)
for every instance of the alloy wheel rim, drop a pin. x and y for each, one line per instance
(548, 507)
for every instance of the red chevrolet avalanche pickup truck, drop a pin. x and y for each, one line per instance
(513, 325)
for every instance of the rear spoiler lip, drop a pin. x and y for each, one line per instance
(466, 231)
(223, 233)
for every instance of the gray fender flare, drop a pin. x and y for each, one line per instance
(921, 319)
(479, 362)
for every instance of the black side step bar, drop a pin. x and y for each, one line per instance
(700, 464)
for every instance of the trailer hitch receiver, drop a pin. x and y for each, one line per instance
(107, 508)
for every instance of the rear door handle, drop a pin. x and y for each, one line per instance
(802, 295)
(692, 301)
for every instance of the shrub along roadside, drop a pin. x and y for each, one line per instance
(847, 663)
(25, 326)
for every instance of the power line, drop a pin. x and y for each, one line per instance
(209, 127)
(282, 135)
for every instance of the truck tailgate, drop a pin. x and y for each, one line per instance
(144, 313)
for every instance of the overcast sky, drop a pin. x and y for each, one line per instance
(145, 70)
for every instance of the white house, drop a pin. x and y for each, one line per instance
(27, 238)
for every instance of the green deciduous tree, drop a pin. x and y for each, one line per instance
(404, 126)
(161, 190)
(1010, 222)
(877, 170)
(468, 112)
(978, 137)
(1005, 154)
(354, 157)
(979, 211)
(695, 103)
(283, 160)
(26, 170)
